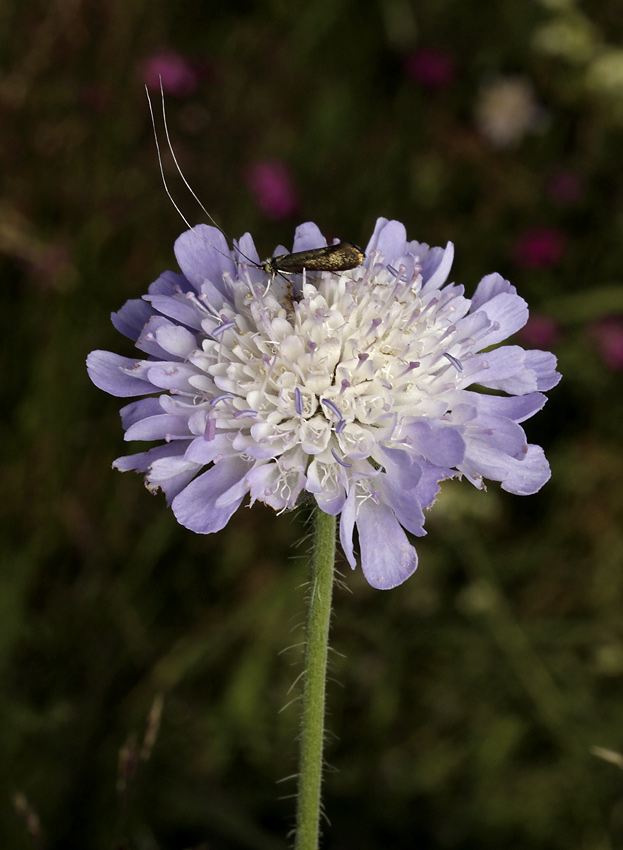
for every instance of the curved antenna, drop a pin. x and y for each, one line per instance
(182, 175)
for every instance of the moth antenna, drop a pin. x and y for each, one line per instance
(164, 179)
(183, 176)
(166, 186)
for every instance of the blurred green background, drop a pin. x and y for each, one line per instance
(464, 704)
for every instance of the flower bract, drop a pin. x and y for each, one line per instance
(361, 389)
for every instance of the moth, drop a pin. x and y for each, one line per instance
(339, 257)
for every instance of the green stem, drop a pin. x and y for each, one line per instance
(314, 682)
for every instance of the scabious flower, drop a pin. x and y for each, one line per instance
(357, 388)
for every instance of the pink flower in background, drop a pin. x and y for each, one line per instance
(540, 331)
(539, 248)
(179, 75)
(433, 69)
(271, 182)
(608, 336)
(564, 187)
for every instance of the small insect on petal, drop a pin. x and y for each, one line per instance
(331, 258)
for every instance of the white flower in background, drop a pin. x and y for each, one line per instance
(506, 110)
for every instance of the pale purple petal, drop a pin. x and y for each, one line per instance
(537, 372)
(171, 376)
(142, 461)
(114, 374)
(405, 504)
(137, 410)
(268, 484)
(171, 475)
(176, 340)
(163, 426)
(170, 283)
(436, 266)
(347, 528)
(391, 242)
(147, 340)
(517, 408)
(490, 286)
(439, 443)
(401, 466)
(204, 255)
(507, 313)
(374, 239)
(527, 476)
(245, 250)
(329, 491)
(195, 507)
(387, 557)
(179, 308)
(132, 318)
(308, 236)
(512, 370)
(204, 451)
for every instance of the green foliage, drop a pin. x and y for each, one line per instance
(468, 699)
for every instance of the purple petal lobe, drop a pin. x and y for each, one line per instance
(141, 461)
(387, 557)
(180, 309)
(442, 445)
(508, 312)
(436, 266)
(527, 476)
(392, 240)
(490, 286)
(137, 410)
(159, 427)
(132, 318)
(170, 283)
(195, 507)
(204, 255)
(113, 374)
(308, 236)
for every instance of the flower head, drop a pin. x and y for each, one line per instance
(355, 387)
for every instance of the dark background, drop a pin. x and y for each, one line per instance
(464, 704)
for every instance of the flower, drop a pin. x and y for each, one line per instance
(607, 334)
(176, 73)
(271, 182)
(506, 110)
(539, 248)
(433, 69)
(354, 387)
